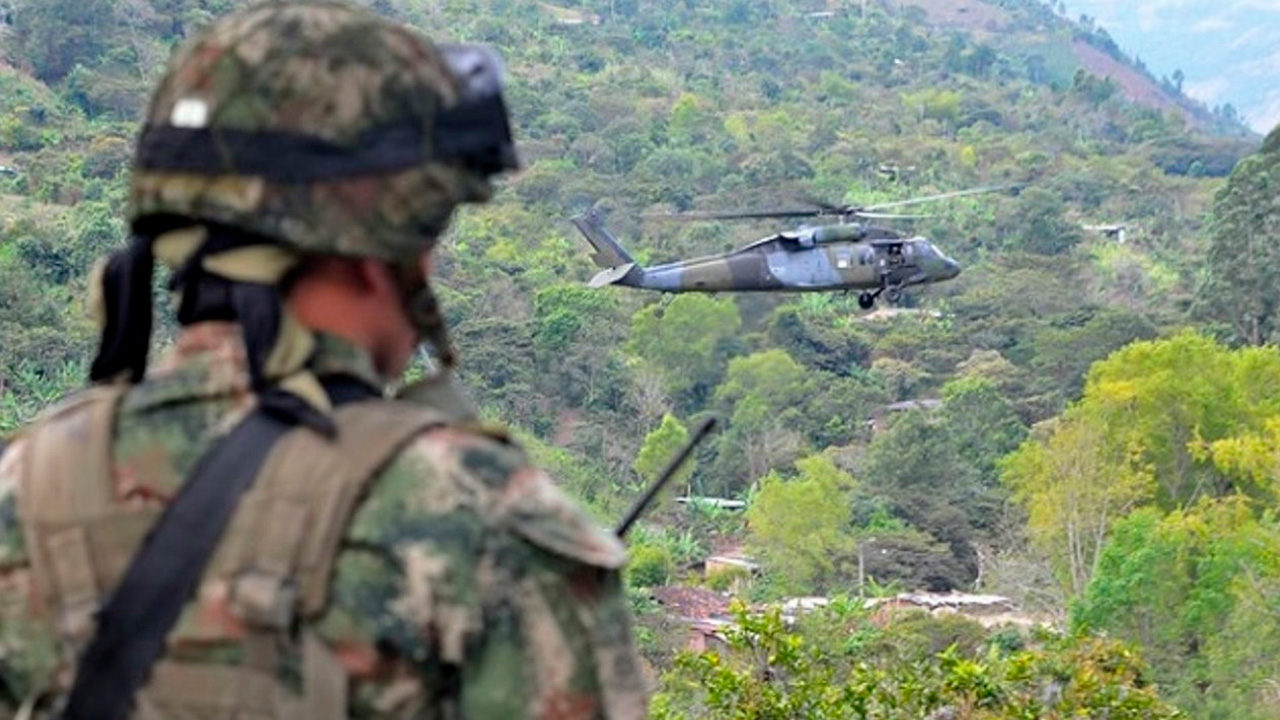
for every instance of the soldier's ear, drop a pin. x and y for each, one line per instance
(374, 277)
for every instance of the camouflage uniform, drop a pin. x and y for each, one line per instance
(462, 554)
(465, 584)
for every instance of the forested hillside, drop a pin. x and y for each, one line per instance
(1087, 423)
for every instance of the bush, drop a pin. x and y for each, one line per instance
(650, 566)
(770, 670)
(724, 579)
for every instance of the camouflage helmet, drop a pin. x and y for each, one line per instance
(324, 126)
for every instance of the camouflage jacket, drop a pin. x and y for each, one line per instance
(463, 563)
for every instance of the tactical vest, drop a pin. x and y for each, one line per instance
(274, 561)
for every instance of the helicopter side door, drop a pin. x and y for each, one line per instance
(843, 257)
(805, 268)
(853, 263)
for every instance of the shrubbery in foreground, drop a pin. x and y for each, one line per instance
(846, 661)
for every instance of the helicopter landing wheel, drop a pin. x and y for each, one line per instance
(866, 300)
(893, 294)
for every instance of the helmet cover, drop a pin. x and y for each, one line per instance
(323, 126)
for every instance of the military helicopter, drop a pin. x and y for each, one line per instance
(842, 257)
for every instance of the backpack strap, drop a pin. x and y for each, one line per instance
(136, 619)
(293, 521)
(288, 535)
(277, 545)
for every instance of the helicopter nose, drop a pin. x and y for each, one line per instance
(950, 268)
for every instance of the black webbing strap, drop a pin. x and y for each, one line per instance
(164, 573)
(476, 133)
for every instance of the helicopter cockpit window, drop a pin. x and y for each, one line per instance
(895, 254)
(866, 256)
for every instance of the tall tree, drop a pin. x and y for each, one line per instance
(1074, 488)
(1173, 582)
(800, 526)
(1240, 287)
(762, 394)
(56, 35)
(686, 340)
(1163, 422)
(659, 446)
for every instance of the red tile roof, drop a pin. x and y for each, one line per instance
(690, 602)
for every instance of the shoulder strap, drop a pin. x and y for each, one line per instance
(133, 623)
(285, 537)
(161, 577)
(318, 482)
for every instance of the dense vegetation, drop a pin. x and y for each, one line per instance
(848, 661)
(1104, 446)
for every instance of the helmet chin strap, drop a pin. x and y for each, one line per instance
(423, 310)
(425, 313)
(439, 388)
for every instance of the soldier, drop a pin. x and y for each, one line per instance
(250, 528)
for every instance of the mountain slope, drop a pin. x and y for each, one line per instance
(645, 105)
(1221, 53)
(1013, 24)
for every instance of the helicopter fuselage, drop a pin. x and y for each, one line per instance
(805, 262)
(812, 259)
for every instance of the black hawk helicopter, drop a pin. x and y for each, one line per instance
(849, 255)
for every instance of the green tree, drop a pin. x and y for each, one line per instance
(924, 469)
(687, 341)
(1165, 398)
(799, 526)
(1171, 583)
(659, 446)
(1239, 287)
(1074, 485)
(762, 394)
(761, 387)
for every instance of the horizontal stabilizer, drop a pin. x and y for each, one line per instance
(611, 275)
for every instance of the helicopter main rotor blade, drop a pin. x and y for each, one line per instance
(889, 216)
(827, 209)
(940, 196)
(737, 215)
(835, 212)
